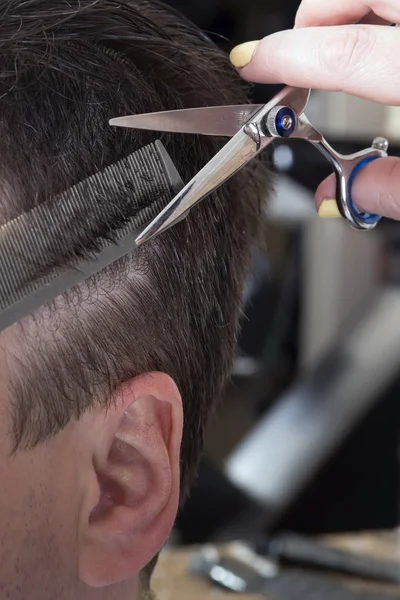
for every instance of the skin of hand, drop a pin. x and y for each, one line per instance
(326, 50)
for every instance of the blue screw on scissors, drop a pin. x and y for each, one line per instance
(252, 127)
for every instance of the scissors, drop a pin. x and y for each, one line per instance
(252, 128)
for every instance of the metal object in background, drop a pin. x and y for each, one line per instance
(253, 128)
(240, 571)
(301, 551)
(280, 456)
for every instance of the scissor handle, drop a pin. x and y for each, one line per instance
(282, 122)
(346, 169)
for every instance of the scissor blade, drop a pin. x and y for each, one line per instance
(233, 156)
(213, 120)
(245, 145)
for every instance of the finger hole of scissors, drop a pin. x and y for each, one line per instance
(365, 217)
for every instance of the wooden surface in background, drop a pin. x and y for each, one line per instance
(172, 582)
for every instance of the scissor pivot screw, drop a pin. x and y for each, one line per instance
(287, 122)
(281, 121)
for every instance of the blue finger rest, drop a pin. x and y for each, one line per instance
(285, 112)
(367, 218)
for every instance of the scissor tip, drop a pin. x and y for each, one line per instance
(139, 241)
(143, 237)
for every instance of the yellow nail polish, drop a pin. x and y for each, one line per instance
(328, 209)
(242, 54)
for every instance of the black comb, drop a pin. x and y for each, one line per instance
(107, 211)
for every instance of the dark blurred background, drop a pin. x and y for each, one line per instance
(307, 436)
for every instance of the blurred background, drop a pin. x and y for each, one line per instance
(307, 437)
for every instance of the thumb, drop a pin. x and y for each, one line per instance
(376, 189)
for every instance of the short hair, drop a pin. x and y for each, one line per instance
(173, 305)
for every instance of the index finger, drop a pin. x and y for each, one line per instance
(363, 60)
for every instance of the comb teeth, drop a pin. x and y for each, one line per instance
(83, 229)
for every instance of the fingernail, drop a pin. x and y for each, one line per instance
(328, 209)
(242, 54)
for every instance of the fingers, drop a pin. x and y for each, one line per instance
(358, 59)
(376, 190)
(313, 13)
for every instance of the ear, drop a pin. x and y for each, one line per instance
(132, 486)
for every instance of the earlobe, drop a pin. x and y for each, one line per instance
(136, 467)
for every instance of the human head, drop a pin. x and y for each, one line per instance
(104, 394)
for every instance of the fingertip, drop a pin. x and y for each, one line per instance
(328, 209)
(326, 190)
(263, 61)
(241, 55)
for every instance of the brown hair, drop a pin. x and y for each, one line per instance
(173, 305)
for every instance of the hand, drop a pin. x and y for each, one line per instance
(324, 52)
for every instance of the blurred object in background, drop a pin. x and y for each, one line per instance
(351, 567)
(345, 117)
